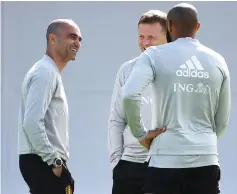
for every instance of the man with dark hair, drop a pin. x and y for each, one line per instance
(191, 97)
(127, 156)
(43, 115)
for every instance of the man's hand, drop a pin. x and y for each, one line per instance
(58, 171)
(150, 136)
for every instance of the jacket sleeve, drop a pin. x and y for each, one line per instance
(141, 76)
(117, 122)
(41, 90)
(224, 104)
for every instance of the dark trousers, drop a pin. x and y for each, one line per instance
(40, 177)
(128, 177)
(200, 180)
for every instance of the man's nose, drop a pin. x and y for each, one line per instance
(77, 43)
(146, 43)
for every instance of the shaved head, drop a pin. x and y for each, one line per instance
(63, 40)
(184, 17)
(56, 25)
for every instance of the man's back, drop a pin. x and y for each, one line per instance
(191, 96)
(186, 92)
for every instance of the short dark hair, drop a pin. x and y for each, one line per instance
(184, 16)
(154, 16)
(55, 26)
(52, 29)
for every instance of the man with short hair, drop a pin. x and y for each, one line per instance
(43, 115)
(191, 97)
(127, 156)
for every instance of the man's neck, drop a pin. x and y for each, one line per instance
(57, 60)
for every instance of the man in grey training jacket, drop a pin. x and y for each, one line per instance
(127, 156)
(191, 97)
(43, 143)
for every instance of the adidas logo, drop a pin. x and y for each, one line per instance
(192, 68)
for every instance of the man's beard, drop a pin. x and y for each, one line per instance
(168, 36)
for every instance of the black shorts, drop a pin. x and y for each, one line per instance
(200, 180)
(129, 177)
(40, 177)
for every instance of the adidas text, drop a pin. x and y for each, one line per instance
(192, 68)
(192, 73)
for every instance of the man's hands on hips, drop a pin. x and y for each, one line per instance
(150, 136)
(58, 171)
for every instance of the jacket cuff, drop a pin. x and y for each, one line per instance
(143, 136)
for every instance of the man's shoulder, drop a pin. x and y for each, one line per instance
(127, 67)
(153, 50)
(212, 53)
(41, 68)
(215, 57)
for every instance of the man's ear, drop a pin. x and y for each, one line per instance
(168, 30)
(52, 39)
(169, 26)
(168, 38)
(197, 27)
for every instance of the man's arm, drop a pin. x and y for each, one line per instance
(41, 90)
(223, 111)
(142, 75)
(117, 122)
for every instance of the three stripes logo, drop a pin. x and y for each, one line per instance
(192, 68)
